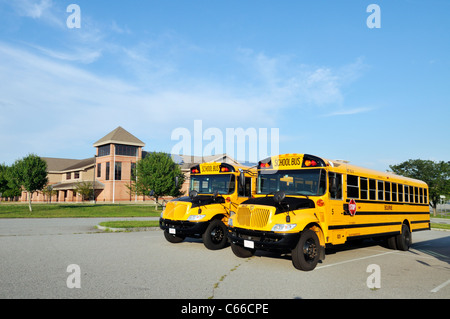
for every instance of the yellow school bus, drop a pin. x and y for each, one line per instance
(215, 190)
(304, 203)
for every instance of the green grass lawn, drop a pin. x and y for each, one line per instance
(76, 211)
(440, 226)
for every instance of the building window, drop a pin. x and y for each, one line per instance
(68, 176)
(99, 170)
(133, 171)
(118, 171)
(104, 150)
(107, 171)
(126, 150)
(76, 175)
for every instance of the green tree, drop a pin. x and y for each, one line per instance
(31, 174)
(156, 175)
(85, 189)
(3, 180)
(435, 174)
(8, 185)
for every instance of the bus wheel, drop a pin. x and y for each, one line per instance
(242, 252)
(392, 242)
(306, 254)
(215, 236)
(172, 238)
(404, 239)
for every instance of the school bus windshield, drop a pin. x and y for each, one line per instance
(208, 184)
(309, 182)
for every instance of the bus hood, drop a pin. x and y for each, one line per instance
(180, 208)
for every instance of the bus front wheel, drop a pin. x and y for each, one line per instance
(215, 236)
(172, 238)
(306, 254)
(242, 252)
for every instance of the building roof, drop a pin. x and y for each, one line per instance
(119, 136)
(61, 165)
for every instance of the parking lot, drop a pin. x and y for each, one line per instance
(35, 255)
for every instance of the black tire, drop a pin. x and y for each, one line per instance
(306, 254)
(242, 252)
(404, 240)
(173, 238)
(392, 242)
(215, 235)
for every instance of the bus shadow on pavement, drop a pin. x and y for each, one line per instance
(438, 248)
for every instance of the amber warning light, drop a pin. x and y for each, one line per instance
(265, 165)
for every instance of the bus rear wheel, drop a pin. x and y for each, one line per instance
(404, 239)
(306, 254)
(215, 236)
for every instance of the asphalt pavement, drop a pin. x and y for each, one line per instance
(36, 255)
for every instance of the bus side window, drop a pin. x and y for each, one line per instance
(247, 190)
(380, 190)
(338, 193)
(400, 193)
(373, 189)
(364, 185)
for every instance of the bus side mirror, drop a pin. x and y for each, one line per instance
(193, 194)
(279, 197)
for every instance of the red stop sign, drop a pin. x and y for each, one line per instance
(352, 207)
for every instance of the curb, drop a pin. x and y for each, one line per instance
(440, 229)
(131, 229)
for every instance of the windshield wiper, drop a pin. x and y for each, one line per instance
(307, 197)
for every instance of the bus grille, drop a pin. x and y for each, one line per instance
(257, 218)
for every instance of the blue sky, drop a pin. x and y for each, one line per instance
(313, 69)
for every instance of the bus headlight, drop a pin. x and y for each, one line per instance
(283, 227)
(196, 218)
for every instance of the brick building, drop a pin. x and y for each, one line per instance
(110, 170)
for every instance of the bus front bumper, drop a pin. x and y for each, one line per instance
(183, 228)
(263, 240)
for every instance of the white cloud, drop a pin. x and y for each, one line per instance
(353, 111)
(49, 105)
(78, 54)
(32, 9)
(299, 84)
(39, 10)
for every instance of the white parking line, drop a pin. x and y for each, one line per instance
(440, 287)
(356, 259)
